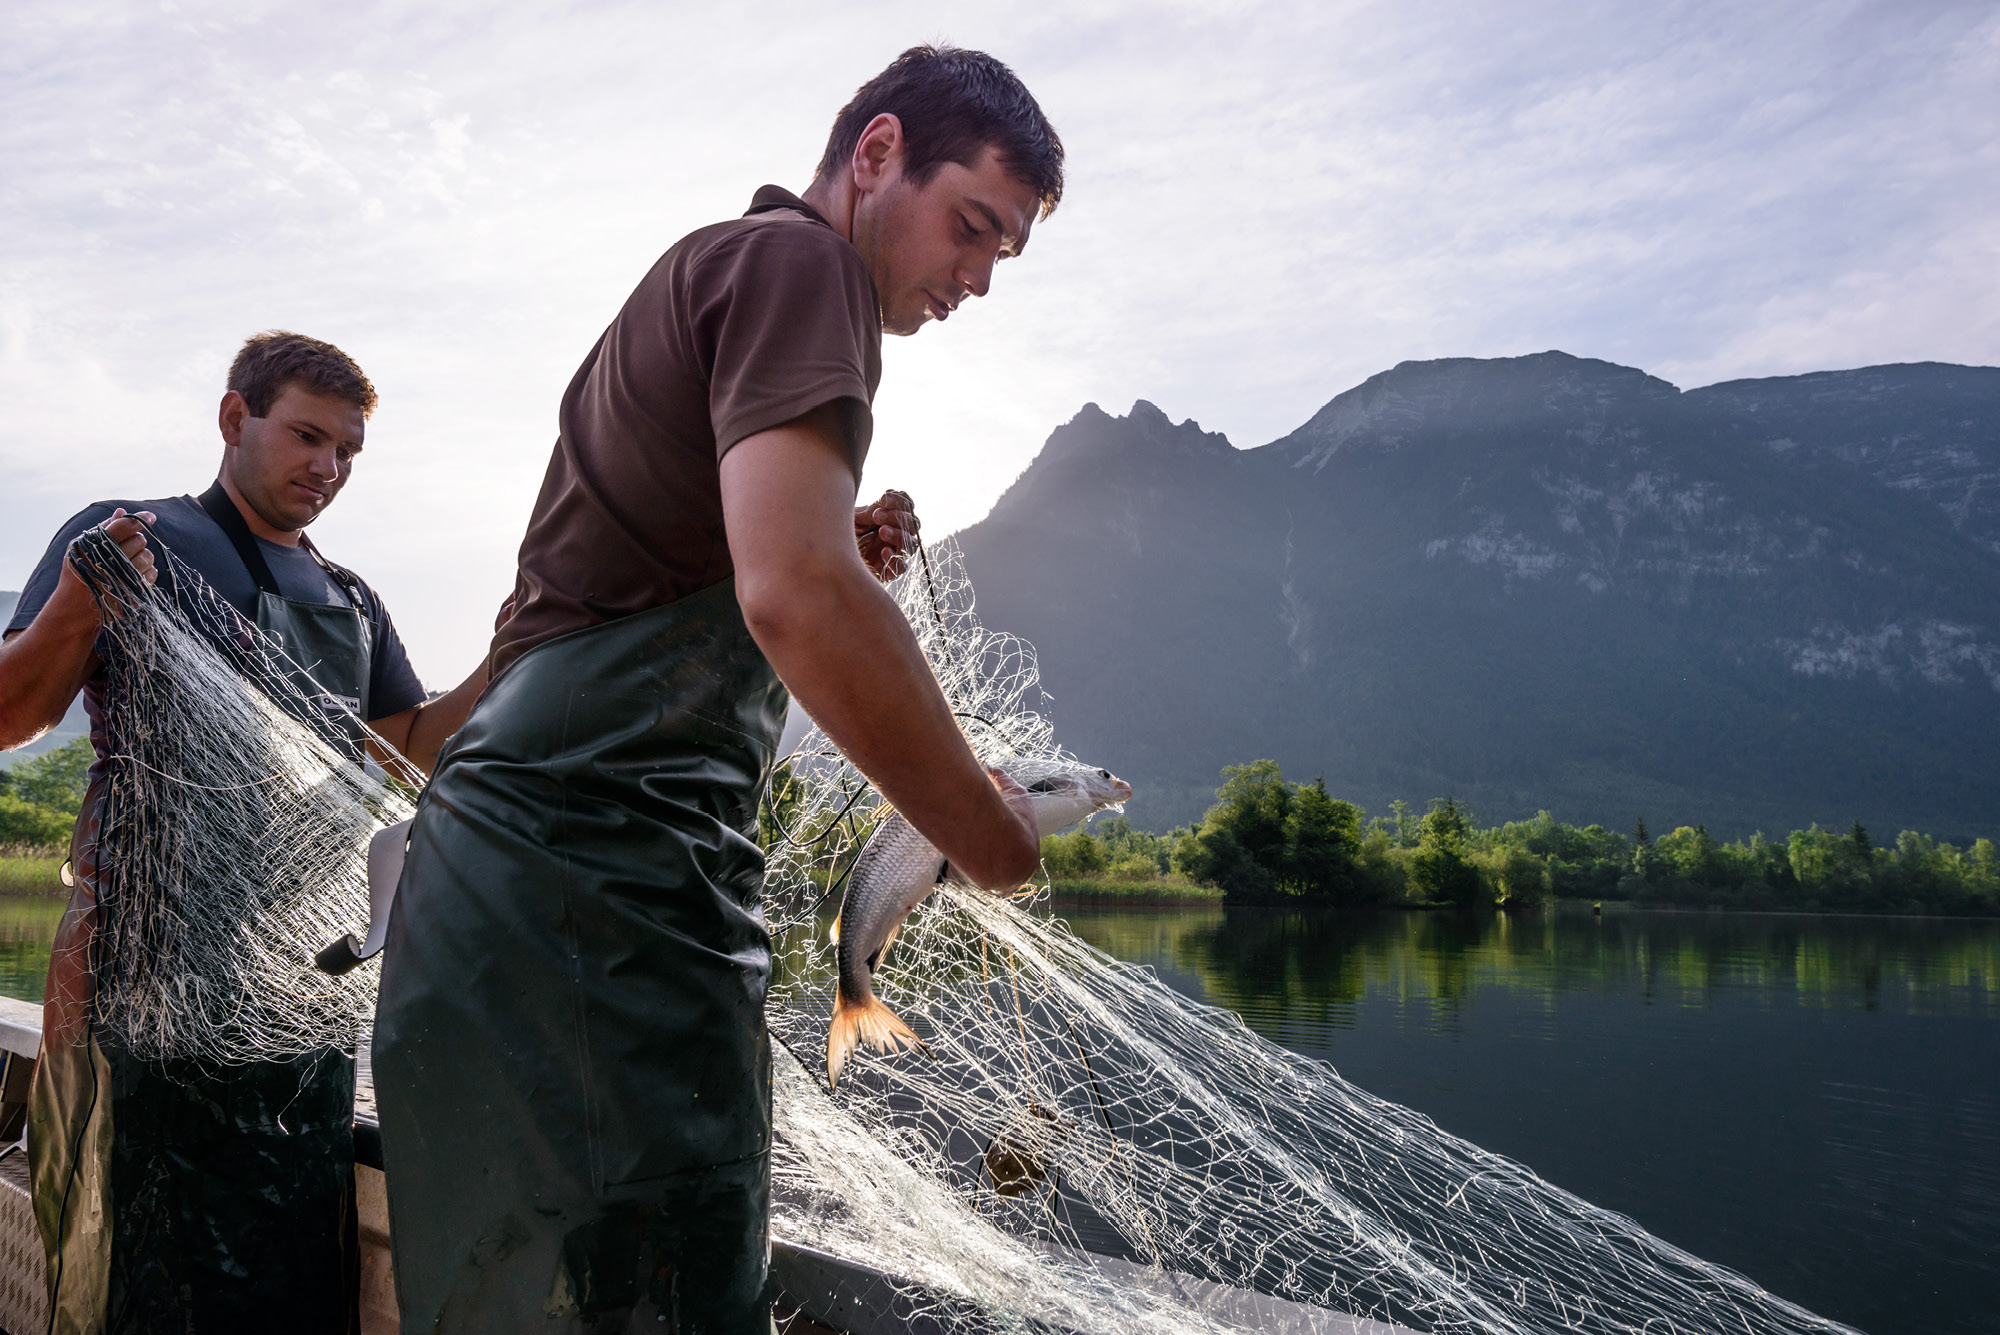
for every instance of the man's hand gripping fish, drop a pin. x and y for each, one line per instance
(896, 871)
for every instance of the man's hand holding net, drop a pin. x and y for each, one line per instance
(887, 533)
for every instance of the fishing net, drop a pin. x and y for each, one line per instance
(1076, 1148)
(1080, 1147)
(233, 839)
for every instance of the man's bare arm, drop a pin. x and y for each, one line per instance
(839, 643)
(43, 666)
(420, 732)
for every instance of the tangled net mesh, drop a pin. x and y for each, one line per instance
(1068, 1107)
(234, 837)
(1078, 1147)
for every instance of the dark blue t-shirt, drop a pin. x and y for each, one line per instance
(185, 529)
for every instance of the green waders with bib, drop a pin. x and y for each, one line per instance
(570, 1054)
(177, 1196)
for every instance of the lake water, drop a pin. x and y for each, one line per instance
(1812, 1101)
(27, 931)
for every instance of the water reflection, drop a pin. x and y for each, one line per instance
(27, 931)
(1813, 1101)
(1316, 967)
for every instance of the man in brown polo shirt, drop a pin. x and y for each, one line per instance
(570, 1054)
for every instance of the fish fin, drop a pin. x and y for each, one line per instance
(833, 936)
(887, 941)
(855, 1023)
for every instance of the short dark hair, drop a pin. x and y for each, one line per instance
(953, 103)
(276, 358)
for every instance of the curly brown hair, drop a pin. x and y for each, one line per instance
(953, 103)
(276, 358)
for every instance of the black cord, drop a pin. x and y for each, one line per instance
(106, 820)
(69, 1181)
(997, 730)
(841, 880)
(937, 610)
(788, 837)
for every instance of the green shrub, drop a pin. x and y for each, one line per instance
(33, 825)
(1073, 854)
(39, 801)
(55, 779)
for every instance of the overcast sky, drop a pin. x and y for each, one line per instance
(1267, 203)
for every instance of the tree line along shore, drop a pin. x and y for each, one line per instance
(1271, 841)
(39, 799)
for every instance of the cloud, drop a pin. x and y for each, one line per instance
(1267, 204)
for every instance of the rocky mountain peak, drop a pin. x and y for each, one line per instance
(1095, 447)
(1145, 428)
(1185, 437)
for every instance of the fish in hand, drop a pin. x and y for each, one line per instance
(896, 871)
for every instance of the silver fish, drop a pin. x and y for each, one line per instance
(896, 871)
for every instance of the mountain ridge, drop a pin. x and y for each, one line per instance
(1536, 581)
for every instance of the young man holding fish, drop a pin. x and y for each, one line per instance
(570, 1052)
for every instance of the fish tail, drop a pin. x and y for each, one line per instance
(858, 1022)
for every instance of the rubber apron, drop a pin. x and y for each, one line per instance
(172, 1196)
(571, 1064)
(330, 645)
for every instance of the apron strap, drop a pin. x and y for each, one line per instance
(347, 580)
(229, 519)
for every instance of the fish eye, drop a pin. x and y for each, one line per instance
(1104, 774)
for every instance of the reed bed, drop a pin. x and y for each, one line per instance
(29, 870)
